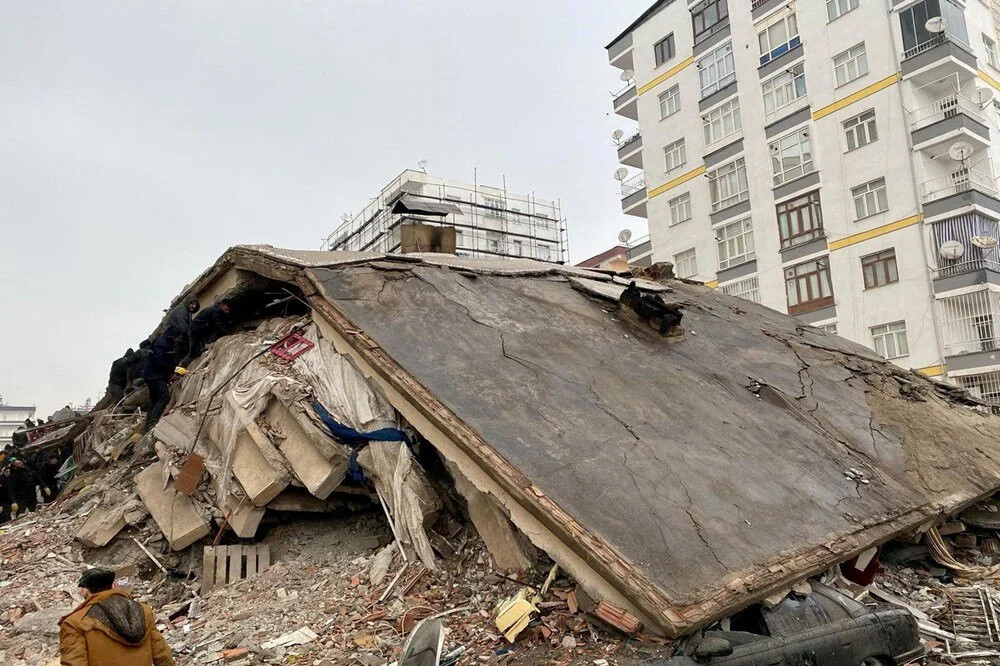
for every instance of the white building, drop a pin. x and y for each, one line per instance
(489, 221)
(11, 419)
(815, 156)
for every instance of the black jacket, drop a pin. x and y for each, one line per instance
(179, 318)
(119, 370)
(211, 324)
(162, 357)
(135, 366)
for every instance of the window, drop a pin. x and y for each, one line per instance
(674, 154)
(458, 238)
(870, 199)
(685, 264)
(860, 130)
(829, 328)
(851, 64)
(807, 286)
(735, 242)
(680, 208)
(791, 157)
(748, 288)
(913, 25)
(670, 101)
(493, 244)
(543, 252)
(991, 50)
(879, 269)
(778, 36)
(889, 340)
(727, 185)
(722, 123)
(716, 70)
(517, 247)
(784, 89)
(494, 206)
(664, 49)
(708, 17)
(837, 8)
(800, 220)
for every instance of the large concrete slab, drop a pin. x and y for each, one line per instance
(174, 512)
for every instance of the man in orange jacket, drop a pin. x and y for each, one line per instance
(109, 628)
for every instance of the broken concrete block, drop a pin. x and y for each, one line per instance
(509, 550)
(104, 522)
(174, 513)
(297, 499)
(307, 449)
(261, 481)
(381, 564)
(45, 622)
(242, 516)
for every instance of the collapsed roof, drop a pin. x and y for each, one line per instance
(683, 477)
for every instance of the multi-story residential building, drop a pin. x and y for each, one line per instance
(11, 419)
(488, 221)
(833, 159)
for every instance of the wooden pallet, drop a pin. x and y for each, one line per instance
(227, 564)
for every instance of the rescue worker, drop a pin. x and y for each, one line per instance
(159, 368)
(23, 481)
(110, 628)
(134, 372)
(118, 379)
(49, 473)
(6, 496)
(208, 326)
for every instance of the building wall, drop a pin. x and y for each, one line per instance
(11, 419)
(837, 169)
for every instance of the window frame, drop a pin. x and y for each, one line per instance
(769, 86)
(681, 203)
(731, 109)
(851, 6)
(659, 57)
(678, 148)
(707, 30)
(881, 267)
(744, 235)
(849, 59)
(822, 266)
(895, 334)
(747, 288)
(806, 206)
(739, 174)
(788, 143)
(990, 46)
(861, 196)
(713, 60)
(773, 51)
(870, 129)
(671, 93)
(693, 260)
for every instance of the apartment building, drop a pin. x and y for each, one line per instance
(12, 419)
(488, 221)
(832, 159)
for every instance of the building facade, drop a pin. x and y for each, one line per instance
(832, 159)
(11, 419)
(488, 221)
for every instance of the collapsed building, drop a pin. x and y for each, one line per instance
(679, 452)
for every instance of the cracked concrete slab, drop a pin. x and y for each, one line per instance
(692, 476)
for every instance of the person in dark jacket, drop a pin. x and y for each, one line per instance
(134, 371)
(23, 481)
(179, 318)
(208, 326)
(159, 368)
(118, 379)
(49, 473)
(6, 495)
(110, 628)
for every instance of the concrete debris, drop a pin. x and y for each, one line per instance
(43, 622)
(298, 637)
(381, 564)
(176, 514)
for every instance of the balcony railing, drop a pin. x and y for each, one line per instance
(635, 137)
(936, 40)
(624, 94)
(969, 322)
(756, 3)
(985, 386)
(963, 267)
(944, 108)
(633, 185)
(960, 181)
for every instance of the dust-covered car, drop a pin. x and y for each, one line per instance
(824, 628)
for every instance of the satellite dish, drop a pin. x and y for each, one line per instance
(936, 24)
(617, 135)
(961, 151)
(984, 96)
(985, 242)
(624, 235)
(951, 249)
(621, 173)
(628, 75)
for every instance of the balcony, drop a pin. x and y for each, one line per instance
(630, 151)
(620, 53)
(634, 196)
(944, 54)
(627, 102)
(946, 120)
(962, 180)
(968, 325)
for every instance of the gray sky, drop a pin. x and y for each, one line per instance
(139, 140)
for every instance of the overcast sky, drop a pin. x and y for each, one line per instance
(139, 140)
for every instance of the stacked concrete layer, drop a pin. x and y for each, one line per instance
(683, 477)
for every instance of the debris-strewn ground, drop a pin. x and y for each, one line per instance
(321, 579)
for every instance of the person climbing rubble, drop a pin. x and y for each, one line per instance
(156, 372)
(23, 482)
(6, 495)
(208, 326)
(49, 472)
(134, 372)
(117, 379)
(179, 318)
(110, 628)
